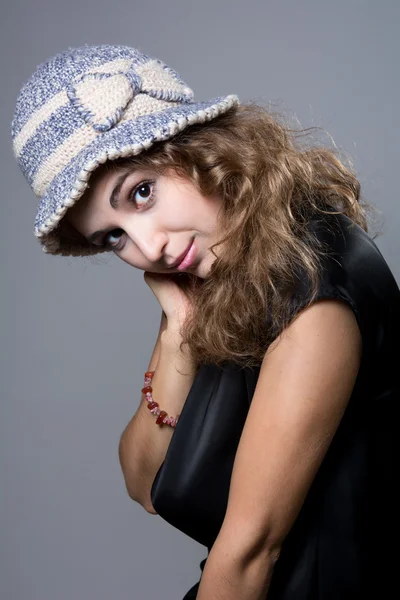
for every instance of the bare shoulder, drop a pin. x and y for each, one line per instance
(305, 382)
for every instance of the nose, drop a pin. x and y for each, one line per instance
(150, 241)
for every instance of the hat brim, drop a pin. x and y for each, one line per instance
(125, 139)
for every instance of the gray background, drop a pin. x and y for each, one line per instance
(77, 334)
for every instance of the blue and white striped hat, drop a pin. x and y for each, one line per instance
(90, 104)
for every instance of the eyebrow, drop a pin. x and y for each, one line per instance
(114, 203)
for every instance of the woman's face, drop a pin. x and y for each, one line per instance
(149, 220)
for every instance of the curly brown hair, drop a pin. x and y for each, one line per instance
(270, 182)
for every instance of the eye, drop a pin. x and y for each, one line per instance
(109, 242)
(143, 194)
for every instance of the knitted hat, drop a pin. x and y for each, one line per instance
(88, 105)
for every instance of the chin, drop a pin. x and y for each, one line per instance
(204, 268)
(201, 273)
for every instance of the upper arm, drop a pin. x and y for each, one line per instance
(305, 381)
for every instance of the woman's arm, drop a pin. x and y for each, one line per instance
(143, 444)
(305, 382)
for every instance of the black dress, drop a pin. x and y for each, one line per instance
(343, 544)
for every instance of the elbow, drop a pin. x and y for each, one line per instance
(251, 546)
(129, 488)
(264, 549)
(150, 509)
(135, 475)
(126, 462)
(148, 506)
(133, 488)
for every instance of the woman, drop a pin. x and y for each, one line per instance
(273, 377)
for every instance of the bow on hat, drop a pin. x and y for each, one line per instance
(102, 98)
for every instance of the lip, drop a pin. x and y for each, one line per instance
(181, 257)
(188, 257)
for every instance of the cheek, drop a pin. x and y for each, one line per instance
(136, 264)
(131, 256)
(193, 213)
(181, 207)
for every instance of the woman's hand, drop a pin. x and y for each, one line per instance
(173, 300)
